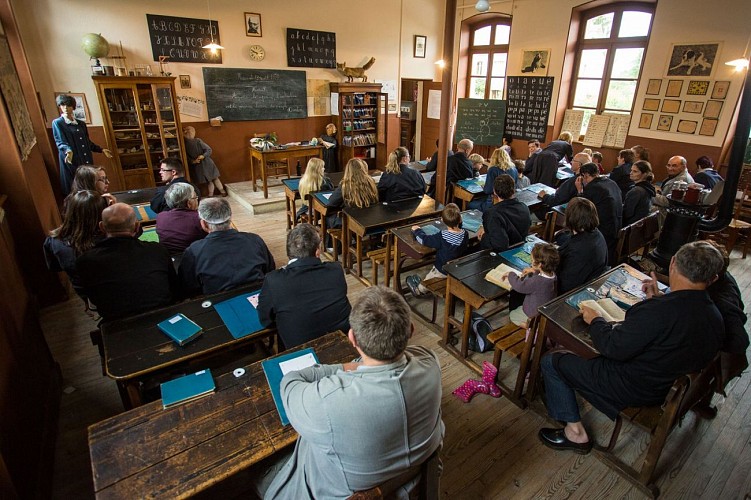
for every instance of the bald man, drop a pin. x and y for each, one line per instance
(458, 166)
(568, 189)
(677, 172)
(122, 275)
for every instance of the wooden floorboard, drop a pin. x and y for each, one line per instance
(490, 449)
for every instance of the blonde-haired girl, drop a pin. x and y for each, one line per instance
(314, 179)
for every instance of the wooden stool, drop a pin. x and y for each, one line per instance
(437, 289)
(336, 236)
(378, 258)
(513, 340)
(96, 339)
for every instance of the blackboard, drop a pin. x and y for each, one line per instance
(238, 94)
(480, 120)
(311, 49)
(528, 99)
(181, 38)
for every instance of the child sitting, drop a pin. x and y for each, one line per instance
(311, 181)
(450, 244)
(537, 283)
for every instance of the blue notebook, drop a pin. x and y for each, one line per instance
(275, 369)
(239, 315)
(147, 209)
(430, 229)
(472, 220)
(187, 388)
(180, 329)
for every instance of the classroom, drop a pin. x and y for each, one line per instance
(421, 75)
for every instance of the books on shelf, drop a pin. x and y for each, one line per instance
(277, 367)
(496, 274)
(180, 329)
(187, 388)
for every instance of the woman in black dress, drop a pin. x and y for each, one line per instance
(329, 152)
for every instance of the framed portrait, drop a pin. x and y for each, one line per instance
(535, 62)
(82, 107)
(687, 126)
(708, 126)
(674, 88)
(253, 24)
(693, 59)
(693, 106)
(671, 106)
(651, 104)
(713, 109)
(645, 120)
(184, 81)
(720, 90)
(421, 41)
(665, 122)
(654, 86)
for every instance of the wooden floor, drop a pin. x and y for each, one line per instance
(490, 448)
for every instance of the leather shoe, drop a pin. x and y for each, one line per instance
(557, 440)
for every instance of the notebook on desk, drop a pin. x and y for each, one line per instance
(240, 315)
(180, 329)
(187, 388)
(472, 220)
(278, 367)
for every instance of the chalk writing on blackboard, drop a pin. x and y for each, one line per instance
(311, 49)
(529, 100)
(238, 94)
(182, 39)
(480, 120)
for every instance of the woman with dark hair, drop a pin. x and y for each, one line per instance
(584, 254)
(91, 178)
(705, 174)
(399, 181)
(638, 201)
(78, 233)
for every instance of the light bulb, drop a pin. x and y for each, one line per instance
(482, 6)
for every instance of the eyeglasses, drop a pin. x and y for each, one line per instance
(166, 169)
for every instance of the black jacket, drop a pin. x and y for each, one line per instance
(621, 175)
(606, 195)
(584, 256)
(408, 184)
(638, 202)
(159, 204)
(563, 194)
(458, 167)
(506, 223)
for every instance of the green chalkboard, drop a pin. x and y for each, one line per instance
(239, 94)
(480, 120)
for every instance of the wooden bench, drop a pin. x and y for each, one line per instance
(513, 340)
(428, 475)
(437, 289)
(378, 258)
(336, 240)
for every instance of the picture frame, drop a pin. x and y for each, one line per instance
(645, 120)
(693, 107)
(720, 89)
(708, 126)
(253, 24)
(697, 87)
(82, 107)
(535, 62)
(651, 104)
(674, 88)
(713, 109)
(420, 44)
(654, 86)
(693, 59)
(664, 122)
(184, 81)
(687, 126)
(671, 106)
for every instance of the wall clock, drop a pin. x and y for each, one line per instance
(256, 53)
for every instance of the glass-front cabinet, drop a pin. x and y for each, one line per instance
(142, 125)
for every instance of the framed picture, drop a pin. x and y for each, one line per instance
(252, 24)
(535, 62)
(645, 120)
(693, 106)
(665, 122)
(708, 126)
(421, 41)
(674, 88)
(687, 126)
(720, 89)
(654, 86)
(693, 59)
(713, 109)
(82, 107)
(671, 106)
(184, 81)
(651, 104)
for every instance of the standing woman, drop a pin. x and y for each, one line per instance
(638, 201)
(329, 152)
(204, 168)
(314, 179)
(400, 182)
(357, 189)
(73, 143)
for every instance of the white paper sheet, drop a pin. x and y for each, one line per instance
(296, 364)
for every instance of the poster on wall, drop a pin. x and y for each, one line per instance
(528, 106)
(693, 59)
(311, 49)
(182, 38)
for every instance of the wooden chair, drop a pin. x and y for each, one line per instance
(687, 392)
(378, 258)
(638, 237)
(428, 475)
(554, 221)
(738, 227)
(437, 289)
(514, 341)
(96, 339)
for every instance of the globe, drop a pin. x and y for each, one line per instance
(95, 45)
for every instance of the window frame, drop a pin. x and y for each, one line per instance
(491, 49)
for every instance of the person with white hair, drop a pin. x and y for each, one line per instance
(179, 226)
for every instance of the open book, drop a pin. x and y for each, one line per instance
(608, 309)
(328, 144)
(494, 276)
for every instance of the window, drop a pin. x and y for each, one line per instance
(610, 52)
(488, 53)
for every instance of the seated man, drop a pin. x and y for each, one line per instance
(365, 422)
(661, 339)
(122, 275)
(306, 298)
(507, 222)
(179, 226)
(172, 171)
(606, 195)
(226, 258)
(458, 166)
(567, 190)
(621, 173)
(433, 163)
(677, 172)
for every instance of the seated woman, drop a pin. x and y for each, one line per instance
(357, 189)
(583, 253)
(399, 181)
(314, 179)
(500, 163)
(638, 201)
(179, 226)
(78, 233)
(91, 178)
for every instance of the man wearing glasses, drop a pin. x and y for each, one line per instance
(172, 171)
(677, 172)
(567, 190)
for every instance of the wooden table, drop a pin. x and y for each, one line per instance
(292, 194)
(468, 189)
(135, 350)
(381, 217)
(136, 196)
(286, 153)
(150, 452)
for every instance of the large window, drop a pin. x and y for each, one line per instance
(610, 52)
(488, 53)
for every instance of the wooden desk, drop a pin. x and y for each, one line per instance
(468, 189)
(261, 158)
(150, 452)
(380, 218)
(136, 196)
(135, 350)
(292, 194)
(320, 209)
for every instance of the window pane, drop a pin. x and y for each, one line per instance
(502, 32)
(599, 27)
(592, 63)
(626, 63)
(496, 88)
(499, 64)
(477, 88)
(620, 94)
(479, 64)
(482, 36)
(587, 93)
(634, 23)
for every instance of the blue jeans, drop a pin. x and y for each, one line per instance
(560, 397)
